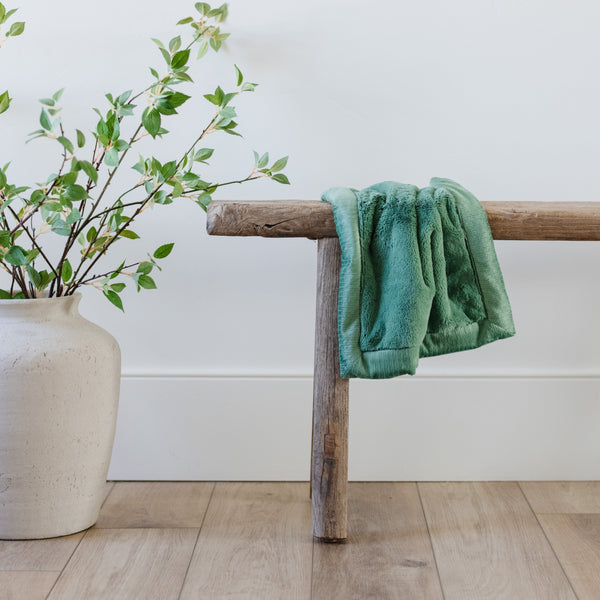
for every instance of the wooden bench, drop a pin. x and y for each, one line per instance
(574, 221)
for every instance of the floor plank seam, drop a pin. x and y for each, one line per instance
(66, 563)
(547, 540)
(196, 542)
(435, 561)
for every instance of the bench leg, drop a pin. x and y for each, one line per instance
(329, 476)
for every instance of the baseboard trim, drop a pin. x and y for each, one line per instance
(274, 374)
(208, 426)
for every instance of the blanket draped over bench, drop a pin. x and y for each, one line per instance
(419, 276)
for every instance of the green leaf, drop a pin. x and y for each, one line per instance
(47, 101)
(45, 120)
(66, 143)
(177, 189)
(89, 170)
(60, 227)
(124, 97)
(239, 75)
(180, 59)
(249, 87)
(169, 169)
(58, 94)
(121, 145)
(151, 121)
(202, 50)
(263, 160)
(146, 282)
(118, 287)
(4, 102)
(2, 12)
(16, 256)
(202, 7)
(32, 254)
(91, 234)
(114, 298)
(144, 267)
(73, 217)
(74, 192)
(17, 28)
(164, 106)
(175, 44)
(4, 295)
(217, 97)
(163, 251)
(158, 43)
(67, 270)
(4, 239)
(177, 99)
(185, 21)
(280, 178)
(111, 158)
(80, 139)
(203, 154)
(9, 14)
(280, 164)
(34, 276)
(130, 235)
(165, 55)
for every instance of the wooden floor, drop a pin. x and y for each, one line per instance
(452, 541)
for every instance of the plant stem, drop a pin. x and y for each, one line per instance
(113, 208)
(94, 277)
(35, 244)
(36, 208)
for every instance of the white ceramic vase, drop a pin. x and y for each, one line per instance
(59, 391)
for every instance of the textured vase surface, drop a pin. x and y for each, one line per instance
(59, 392)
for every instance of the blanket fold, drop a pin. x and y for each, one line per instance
(419, 276)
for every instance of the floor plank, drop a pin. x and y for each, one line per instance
(388, 554)
(26, 585)
(489, 545)
(108, 489)
(563, 496)
(576, 541)
(127, 564)
(38, 555)
(255, 542)
(155, 504)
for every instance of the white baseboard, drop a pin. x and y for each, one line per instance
(425, 428)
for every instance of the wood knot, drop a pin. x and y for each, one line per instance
(330, 446)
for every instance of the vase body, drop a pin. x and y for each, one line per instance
(59, 391)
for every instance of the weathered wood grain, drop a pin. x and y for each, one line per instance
(488, 544)
(254, 544)
(330, 401)
(154, 504)
(576, 541)
(26, 585)
(127, 564)
(388, 555)
(562, 496)
(271, 218)
(314, 219)
(38, 555)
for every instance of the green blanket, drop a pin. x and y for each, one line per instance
(419, 276)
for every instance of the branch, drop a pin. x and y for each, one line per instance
(35, 244)
(94, 277)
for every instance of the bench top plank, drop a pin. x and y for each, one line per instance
(570, 221)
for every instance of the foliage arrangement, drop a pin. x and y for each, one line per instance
(74, 202)
(15, 29)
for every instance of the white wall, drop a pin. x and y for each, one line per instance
(501, 96)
